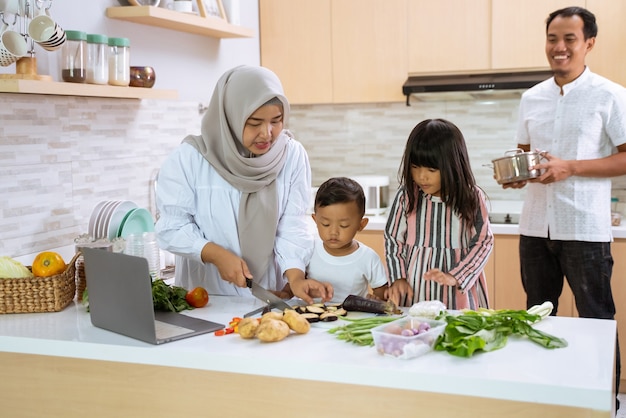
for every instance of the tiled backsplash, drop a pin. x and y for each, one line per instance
(60, 156)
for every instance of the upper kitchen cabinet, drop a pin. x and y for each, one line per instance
(348, 51)
(448, 35)
(369, 43)
(296, 44)
(518, 32)
(606, 57)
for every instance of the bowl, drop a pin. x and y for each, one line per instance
(407, 337)
(142, 76)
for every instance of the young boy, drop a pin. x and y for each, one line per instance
(349, 266)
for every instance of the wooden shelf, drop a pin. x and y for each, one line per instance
(78, 89)
(182, 22)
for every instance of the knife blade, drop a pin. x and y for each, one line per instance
(266, 296)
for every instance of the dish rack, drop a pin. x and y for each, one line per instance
(26, 67)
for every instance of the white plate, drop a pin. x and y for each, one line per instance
(101, 219)
(94, 216)
(119, 213)
(107, 218)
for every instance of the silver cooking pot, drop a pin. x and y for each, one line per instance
(515, 164)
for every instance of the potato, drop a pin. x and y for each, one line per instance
(272, 315)
(247, 327)
(271, 330)
(296, 322)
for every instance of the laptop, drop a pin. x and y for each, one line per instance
(120, 300)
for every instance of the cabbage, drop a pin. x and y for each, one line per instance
(13, 269)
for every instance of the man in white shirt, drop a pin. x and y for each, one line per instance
(579, 118)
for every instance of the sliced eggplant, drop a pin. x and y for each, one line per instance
(315, 309)
(328, 317)
(341, 312)
(311, 317)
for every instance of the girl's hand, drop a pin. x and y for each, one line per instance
(399, 292)
(440, 277)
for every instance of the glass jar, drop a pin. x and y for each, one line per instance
(97, 66)
(74, 58)
(119, 61)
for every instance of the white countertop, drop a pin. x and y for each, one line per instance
(377, 223)
(580, 375)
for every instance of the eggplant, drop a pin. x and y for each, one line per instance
(361, 304)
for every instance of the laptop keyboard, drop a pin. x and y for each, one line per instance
(165, 330)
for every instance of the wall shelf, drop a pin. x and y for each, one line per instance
(15, 85)
(182, 22)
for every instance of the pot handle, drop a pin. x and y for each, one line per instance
(513, 151)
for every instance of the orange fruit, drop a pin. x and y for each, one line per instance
(48, 263)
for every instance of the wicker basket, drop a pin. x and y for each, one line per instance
(39, 294)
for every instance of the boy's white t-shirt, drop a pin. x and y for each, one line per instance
(350, 274)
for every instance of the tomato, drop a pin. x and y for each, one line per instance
(197, 297)
(48, 263)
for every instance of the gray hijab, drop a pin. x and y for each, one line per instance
(238, 94)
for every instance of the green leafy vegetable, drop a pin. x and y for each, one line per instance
(488, 330)
(169, 298)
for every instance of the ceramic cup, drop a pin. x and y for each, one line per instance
(185, 6)
(13, 46)
(10, 6)
(46, 32)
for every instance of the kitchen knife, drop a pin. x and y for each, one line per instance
(266, 296)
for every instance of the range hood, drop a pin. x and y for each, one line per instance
(472, 82)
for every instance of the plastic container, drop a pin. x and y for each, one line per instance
(400, 338)
(152, 254)
(74, 57)
(97, 54)
(119, 61)
(134, 245)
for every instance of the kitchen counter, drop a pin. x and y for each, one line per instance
(57, 364)
(377, 223)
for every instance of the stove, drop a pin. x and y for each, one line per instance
(504, 218)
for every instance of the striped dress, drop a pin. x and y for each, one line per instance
(434, 237)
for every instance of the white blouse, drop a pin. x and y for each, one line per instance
(196, 206)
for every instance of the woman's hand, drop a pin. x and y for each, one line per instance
(399, 292)
(440, 277)
(231, 267)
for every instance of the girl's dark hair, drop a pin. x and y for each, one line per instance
(340, 190)
(590, 28)
(439, 144)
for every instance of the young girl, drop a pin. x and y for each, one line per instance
(438, 237)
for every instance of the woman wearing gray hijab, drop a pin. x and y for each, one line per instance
(233, 200)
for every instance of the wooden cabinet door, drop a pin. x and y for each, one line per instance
(509, 292)
(369, 44)
(518, 35)
(295, 42)
(449, 35)
(607, 57)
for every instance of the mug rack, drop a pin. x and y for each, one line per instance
(26, 67)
